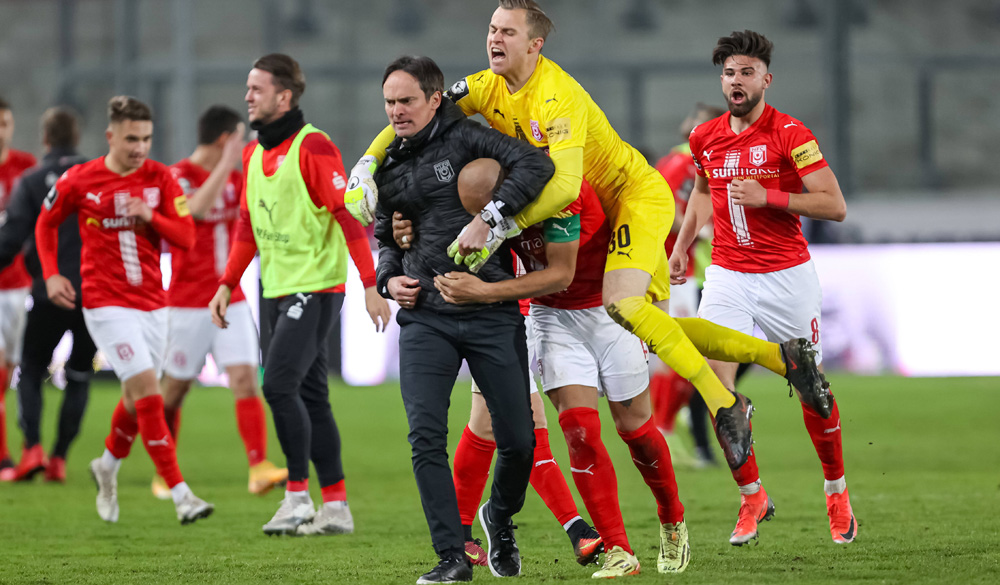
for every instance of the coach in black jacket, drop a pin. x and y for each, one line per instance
(419, 178)
(46, 322)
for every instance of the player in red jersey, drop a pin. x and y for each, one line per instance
(292, 210)
(582, 354)
(212, 185)
(126, 205)
(14, 280)
(760, 170)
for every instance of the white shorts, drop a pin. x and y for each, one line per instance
(586, 347)
(785, 304)
(684, 299)
(532, 359)
(191, 336)
(132, 341)
(12, 321)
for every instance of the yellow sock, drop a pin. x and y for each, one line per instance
(666, 338)
(725, 345)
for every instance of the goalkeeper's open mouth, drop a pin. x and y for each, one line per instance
(497, 55)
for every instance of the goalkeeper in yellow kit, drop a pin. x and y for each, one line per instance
(525, 95)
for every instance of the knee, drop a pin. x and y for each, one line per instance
(520, 448)
(242, 381)
(622, 309)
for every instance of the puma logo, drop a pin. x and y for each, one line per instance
(562, 228)
(707, 154)
(626, 254)
(304, 298)
(95, 198)
(551, 99)
(587, 470)
(652, 465)
(164, 442)
(262, 205)
(790, 124)
(124, 435)
(540, 463)
(499, 113)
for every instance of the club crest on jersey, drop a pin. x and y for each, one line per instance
(444, 171)
(536, 131)
(758, 155)
(151, 195)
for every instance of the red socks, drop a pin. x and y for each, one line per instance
(297, 486)
(334, 493)
(594, 474)
(825, 435)
(473, 457)
(156, 438)
(124, 428)
(549, 482)
(652, 458)
(252, 423)
(669, 392)
(4, 453)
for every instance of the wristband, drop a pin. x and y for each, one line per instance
(491, 214)
(778, 199)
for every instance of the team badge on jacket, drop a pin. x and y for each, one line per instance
(444, 171)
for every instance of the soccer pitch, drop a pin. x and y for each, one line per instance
(922, 456)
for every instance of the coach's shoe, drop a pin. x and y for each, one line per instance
(754, 509)
(843, 526)
(802, 373)
(296, 509)
(32, 462)
(160, 489)
(587, 543)
(675, 551)
(474, 550)
(732, 427)
(265, 476)
(192, 508)
(55, 471)
(452, 568)
(107, 490)
(502, 553)
(328, 520)
(618, 562)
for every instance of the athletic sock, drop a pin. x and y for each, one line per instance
(110, 462)
(251, 420)
(296, 487)
(835, 486)
(4, 453)
(473, 457)
(825, 435)
(178, 491)
(467, 531)
(594, 474)
(334, 493)
(549, 481)
(726, 345)
(124, 428)
(652, 458)
(669, 392)
(666, 338)
(750, 488)
(156, 438)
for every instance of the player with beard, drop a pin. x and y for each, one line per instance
(526, 95)
(126, 205)
(760, 170)
(14, 280)
(292, 211)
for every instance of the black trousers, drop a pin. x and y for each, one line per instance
(431, 349)
(295, 384)
(45, 327)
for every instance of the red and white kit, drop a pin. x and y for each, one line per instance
(761, 271)
(14, 280)
(194, 279)
(120, 255)
(575, 340)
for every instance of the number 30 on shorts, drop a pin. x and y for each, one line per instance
(620, 239)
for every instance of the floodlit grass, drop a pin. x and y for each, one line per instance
(923, 466)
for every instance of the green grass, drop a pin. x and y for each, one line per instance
(923, 465)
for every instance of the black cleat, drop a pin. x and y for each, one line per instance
(453, 568)
(802, 374)
(587, 543)
(732, 427)
(504, 558)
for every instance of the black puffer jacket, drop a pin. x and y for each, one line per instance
(22, 212)
(420, 179)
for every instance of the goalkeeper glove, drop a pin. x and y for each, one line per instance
(501, 229)
(361, 196)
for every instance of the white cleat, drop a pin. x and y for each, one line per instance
(293, 512)
(107, 491)
(192, 508)
(328, 521)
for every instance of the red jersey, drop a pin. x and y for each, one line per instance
(776, 150)
(588, 281)
(120, 255)
(195, 273)
(323, 173)
(15, 275)
(679, 172)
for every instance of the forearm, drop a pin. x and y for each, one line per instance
(820, 205)
(532, 284)
(204, 197)
(178, 231)
(240, 256)
(699, 211)
(560, 191)
(381, 142)
(47, 245)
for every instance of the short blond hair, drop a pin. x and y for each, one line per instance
(539, 24)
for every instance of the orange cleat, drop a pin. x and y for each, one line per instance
(754, 509)
(55, 471)
(265, 476)
(843, 526)
(32, 462)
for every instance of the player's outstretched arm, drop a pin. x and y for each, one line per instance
(561, 190)
(361, 196)
(699, 211)
(205, 196)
